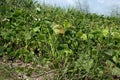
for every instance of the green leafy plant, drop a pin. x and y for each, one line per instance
(79, 45)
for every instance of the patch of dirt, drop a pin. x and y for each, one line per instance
(27, 71)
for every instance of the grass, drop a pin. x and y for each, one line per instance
(69, 43)
(7, 73)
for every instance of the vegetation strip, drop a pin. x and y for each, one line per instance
(66, 44)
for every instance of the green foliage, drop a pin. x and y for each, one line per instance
(80, 45)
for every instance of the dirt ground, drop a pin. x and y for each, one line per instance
(19, 70)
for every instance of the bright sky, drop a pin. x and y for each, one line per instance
(95, 6)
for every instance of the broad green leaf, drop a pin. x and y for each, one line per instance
(115, 35)
(38, 9)
(110, 63)
(105, 32)
(17, 13)
(98, 31)
(109, 53)
(41, 37)
(79, 34)
(68, 25)
(84, 37)
(27, 36)
(68, 52)
(89, 65)
(91, 36)
(115, 59)
(63, 46)
(116, 71)
(47, 22)
(36, 29)
(58, 29)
